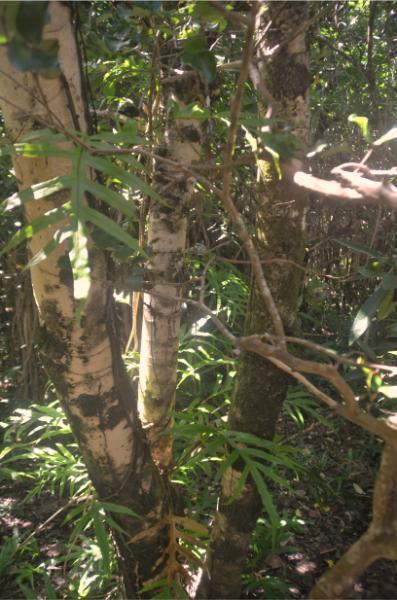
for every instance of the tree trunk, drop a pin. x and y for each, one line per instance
(280, 222)
(167, 225)
(82, 355)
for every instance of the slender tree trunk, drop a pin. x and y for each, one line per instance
(279, 226)
(167, 225)
(82, 356)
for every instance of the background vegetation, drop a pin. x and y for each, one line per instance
(315, 478)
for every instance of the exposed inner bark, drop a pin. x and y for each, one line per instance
(162, 303)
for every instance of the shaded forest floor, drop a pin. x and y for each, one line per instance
(334, 502)
(330, 508)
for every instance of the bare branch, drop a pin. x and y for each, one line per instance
(225, 194)
(361, 190)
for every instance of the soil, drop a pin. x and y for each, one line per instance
(330, 506)
(334, 501)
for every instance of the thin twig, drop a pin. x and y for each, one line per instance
(225, 193)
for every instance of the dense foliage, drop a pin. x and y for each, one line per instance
(58, 536)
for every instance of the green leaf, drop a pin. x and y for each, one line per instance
(265, 496)
(362, 122)
(101, 537)
(119, 509)
(77, 192)
(146, 7)
(389, 281)
(227, 462)
(37, 191)
(387, 305)
(390, 391)
(205, 11)
(8, 19)
(7, 554)
(111, 197)
(387, 137)
(191, 111)
(106, 166)
(42, 222)
(364, 316)
(28, 592)
(109, 226)
(49, 588)
(204, 62)
(59, 237)
(360, 248)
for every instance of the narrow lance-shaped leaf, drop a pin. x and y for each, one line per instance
(77, 191)
(103, 222)
(106, 166)
(367, 311)
(101, 536)
(38, 191)
(114, 199)
(387, 137)
(264, 494)
(59, 237)
(360, 248)
(50, 218)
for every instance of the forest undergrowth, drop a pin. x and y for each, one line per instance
(56, 534)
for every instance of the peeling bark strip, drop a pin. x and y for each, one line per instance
(167, 240)
(279, 231)
(83, 359)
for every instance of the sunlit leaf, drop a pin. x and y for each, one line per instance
(106, 166)
(390, 391)
(387, 137)
(59, 237)
(109, 226)
(362, 123)
(364, 316)
(43, 222)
